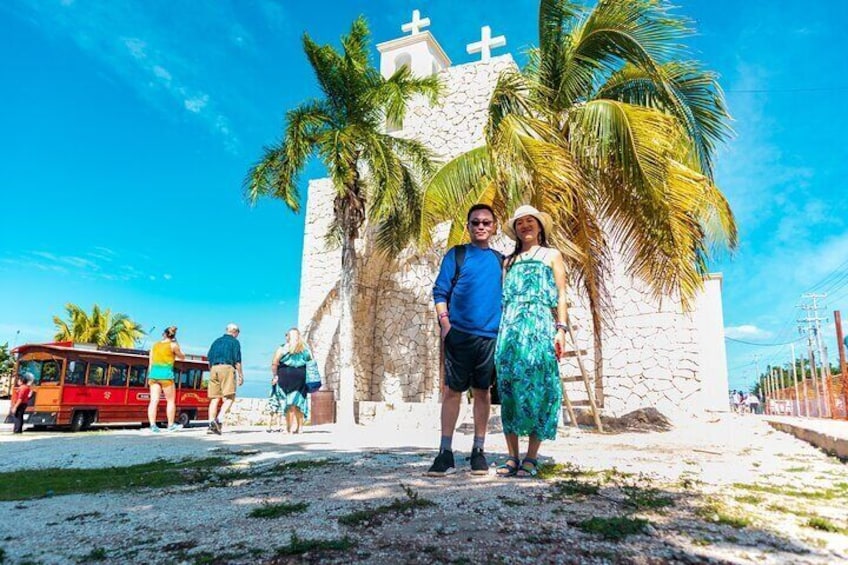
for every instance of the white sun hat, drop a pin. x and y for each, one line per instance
(526, 210)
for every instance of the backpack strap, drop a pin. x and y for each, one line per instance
(459, 258)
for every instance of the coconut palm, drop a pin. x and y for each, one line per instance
(374, 174)
(610, 130)
(101, 327)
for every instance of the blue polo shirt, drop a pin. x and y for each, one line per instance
(226, 350)
(475, 301)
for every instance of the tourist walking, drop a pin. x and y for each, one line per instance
(467, 295)
(160, 378)
(288, 390)
(532, 331)
(224, 365)
(20, 400)
(752, 401)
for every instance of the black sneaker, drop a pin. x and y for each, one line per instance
(214, 428)
(443, 465)
(479, 465)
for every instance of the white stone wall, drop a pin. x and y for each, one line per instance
(653, 353)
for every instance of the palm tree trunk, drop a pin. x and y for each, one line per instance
(347, 375)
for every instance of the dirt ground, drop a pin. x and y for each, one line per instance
(723, 490)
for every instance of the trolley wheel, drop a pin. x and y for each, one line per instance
(184, 418)
(78, 422)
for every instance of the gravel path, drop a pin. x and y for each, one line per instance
(684, 484)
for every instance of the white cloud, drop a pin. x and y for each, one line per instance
(746, 331)
(167, 276)
(196, 104)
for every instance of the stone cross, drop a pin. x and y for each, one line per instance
(486, 43)
(417, 24)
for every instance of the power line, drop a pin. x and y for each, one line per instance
(761, 344)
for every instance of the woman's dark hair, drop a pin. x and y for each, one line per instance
(480, 207)
(170, 332)
(543, 242)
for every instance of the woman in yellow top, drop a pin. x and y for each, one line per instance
(160, 378)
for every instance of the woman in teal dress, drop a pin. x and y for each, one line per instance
(288, 385)
(532, 331)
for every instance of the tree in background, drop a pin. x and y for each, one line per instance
(375, 175)
(7, 367)
(611, 130)
(101, 327)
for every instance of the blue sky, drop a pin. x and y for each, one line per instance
(130, 125)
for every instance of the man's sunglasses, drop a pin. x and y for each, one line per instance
(485, 223)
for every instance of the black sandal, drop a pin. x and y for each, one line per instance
(524, 472)
(507, 470)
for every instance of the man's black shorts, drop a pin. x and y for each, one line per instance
(469, 361)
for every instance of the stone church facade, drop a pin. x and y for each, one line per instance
(655, 354)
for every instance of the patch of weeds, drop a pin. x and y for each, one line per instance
(798, 469)
(646, 497)
(277, 510)
(748, 498)
(823, 524)
(714, 511)
(786, 510)
(823, 494)
(614, 528)
(560, 470)
(180, 546)
(572, 487)
(703, 542)
(298, 546)
(83, 516)
(374, 515)
(23, 485)
(688, 483)
(510, 501)
(299, 466)
(96, 554)
(614, 475)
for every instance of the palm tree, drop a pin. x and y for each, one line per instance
(101, 327)
(374, 174)
(613, 133)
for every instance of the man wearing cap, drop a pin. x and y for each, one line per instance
(468, 306)
(224, 362)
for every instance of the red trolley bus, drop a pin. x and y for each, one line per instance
(78, 385)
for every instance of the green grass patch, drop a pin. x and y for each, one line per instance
(96, 554)
(646, 497)
(299, 546)
(572, 487)
(798, 469)
(615, 528)
(299, 466)
(375, 515)
(27, 484)
(823, 524)
(823, 494)
(563, 470)
(716, 512)
(278, 510)
(749, 498)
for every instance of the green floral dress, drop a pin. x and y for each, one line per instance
(528, 373)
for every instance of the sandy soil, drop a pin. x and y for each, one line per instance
(701, 471)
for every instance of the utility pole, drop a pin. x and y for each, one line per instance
(795, 381)
(821, 349)
(809, 330)
(843, 364)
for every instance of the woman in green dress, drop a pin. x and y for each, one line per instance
(288, 384)
(532, 332)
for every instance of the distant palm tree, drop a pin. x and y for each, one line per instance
(101, 327)
(375, 175)
(609, 130)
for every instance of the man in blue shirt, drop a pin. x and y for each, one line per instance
(224, 362)
(468, 306)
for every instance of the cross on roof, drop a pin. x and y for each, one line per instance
(486, 43)
(417, 24)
